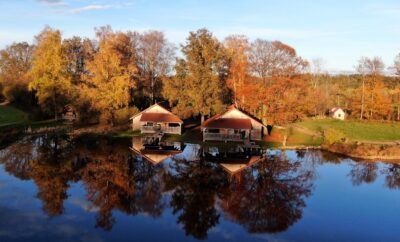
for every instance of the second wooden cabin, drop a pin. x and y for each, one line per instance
(233, 125)
(155, 119)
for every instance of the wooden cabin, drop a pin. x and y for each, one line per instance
(233, 125)
(337, 113)
(156, 119)
(69, 114)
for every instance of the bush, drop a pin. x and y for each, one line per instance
(122, 115)
(332, 136)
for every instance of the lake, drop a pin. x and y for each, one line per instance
(58, 188)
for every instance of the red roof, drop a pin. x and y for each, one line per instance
(335, 109)
(160, 117)
(228, 123)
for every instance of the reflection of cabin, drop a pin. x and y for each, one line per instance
(232, 125)
(337, 113)
(157, 119)
(151, 153)
(69, 113)
(234, 167)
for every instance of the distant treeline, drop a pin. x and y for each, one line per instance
(112, 76)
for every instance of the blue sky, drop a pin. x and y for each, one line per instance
(339, 32)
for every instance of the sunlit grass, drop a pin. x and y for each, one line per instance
(356, 130)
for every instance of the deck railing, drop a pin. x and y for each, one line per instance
(153, 129)
(255, 135)
(223, 137)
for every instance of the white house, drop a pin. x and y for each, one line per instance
(232, 125)
(337, 113)
(156, 119)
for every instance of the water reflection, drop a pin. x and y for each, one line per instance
(201, 186)
(269, 197)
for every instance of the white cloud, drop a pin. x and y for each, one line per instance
(90, 8)
(53, 3)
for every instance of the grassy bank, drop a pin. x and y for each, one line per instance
(356, 130)
(11, 115)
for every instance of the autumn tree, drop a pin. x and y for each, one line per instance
(77, 52)
(15, 63)
(396, 89)
(202, 73)
(396, 66)
(238, 48)
(155, 59)
(109, 79)
(280, 84)
(373, 98)
(49, 78)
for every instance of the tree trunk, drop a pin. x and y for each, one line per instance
(362, 99)
(202, 119)
(112, 119)
(55, 107)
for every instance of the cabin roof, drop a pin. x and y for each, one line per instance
(160, 117)
(235, 123)
(172, 116)
(229, 123)
(334, 109)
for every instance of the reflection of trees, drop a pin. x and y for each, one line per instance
(195, 186)
(392, 176)
(269, 197)
(149, 187)
(16, 158)
(363, 172)
(108, 184)
(52, 170)
(116, 180)
(45, 160)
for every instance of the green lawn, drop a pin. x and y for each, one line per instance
(11, 115)
(357, 130)
(14, 118)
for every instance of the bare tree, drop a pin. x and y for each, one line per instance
(155, 61)
(368, 67)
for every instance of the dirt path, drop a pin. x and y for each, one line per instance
(305, 131)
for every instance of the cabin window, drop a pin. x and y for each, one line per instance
(339, 115)
(149, 124)
(173, 125)
(214, 131)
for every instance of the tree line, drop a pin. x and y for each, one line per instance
(109, 78)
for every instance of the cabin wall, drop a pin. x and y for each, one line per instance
(339, 115)
(136, 122)
(257, 128)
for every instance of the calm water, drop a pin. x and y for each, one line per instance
(54, 188)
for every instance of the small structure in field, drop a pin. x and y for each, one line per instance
(337, 113)
(156, 119)
(69, 114)
(233, 125)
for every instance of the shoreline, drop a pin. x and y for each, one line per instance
(366, 150)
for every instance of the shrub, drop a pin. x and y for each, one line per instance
(332, 136)
(122, 115)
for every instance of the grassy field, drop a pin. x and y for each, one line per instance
(356, 130)
(11, 115)
(294, 138)
(14, 118)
